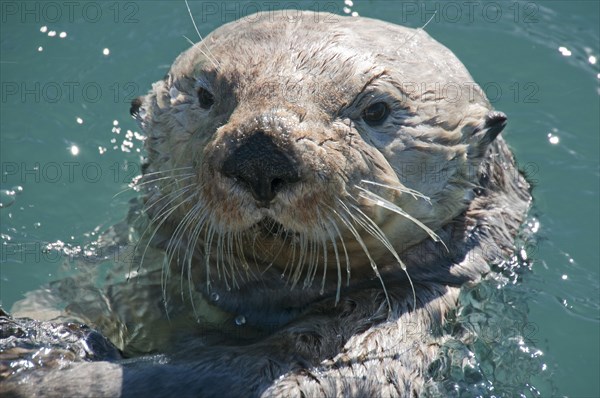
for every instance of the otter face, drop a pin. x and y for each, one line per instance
(275, 141)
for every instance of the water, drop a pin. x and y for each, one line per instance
(65, 151)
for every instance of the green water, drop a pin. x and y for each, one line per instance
(63, 158)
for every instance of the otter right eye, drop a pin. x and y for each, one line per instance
(205, 98)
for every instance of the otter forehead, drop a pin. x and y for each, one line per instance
(265, 56)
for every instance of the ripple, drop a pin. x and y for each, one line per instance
(7, 198)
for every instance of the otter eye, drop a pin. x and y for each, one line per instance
(205, 98)
(376, 114)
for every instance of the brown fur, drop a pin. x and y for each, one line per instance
(311, 275)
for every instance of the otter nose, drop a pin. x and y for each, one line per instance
(262, 166)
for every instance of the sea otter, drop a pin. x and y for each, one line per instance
(316, 191)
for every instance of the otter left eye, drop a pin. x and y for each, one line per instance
(376, 114)
(205, 98)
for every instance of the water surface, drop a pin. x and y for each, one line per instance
(68, 145)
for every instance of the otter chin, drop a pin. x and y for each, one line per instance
(313, 186)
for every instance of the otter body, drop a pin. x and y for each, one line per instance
(314, 200)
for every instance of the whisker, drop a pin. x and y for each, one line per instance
(362, 244)
(211, 57)
(178, 192)
(281, 247)
(295, 275)
(166, 171)
(324, 242)
(175, 240)
(200, 221)
(232, 264)
(379, 201)
(334, 224)
(415, 194)
(372, 228)
(174, 246)
(189, 40)
(291, 259)
(173, 196)
(162, 216)
(332, 237)
(208, 239)
(176, 178)
(133, 186)
(239, 243)
(313, 263)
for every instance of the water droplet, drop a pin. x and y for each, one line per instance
(37, 225)
(523, 254)
(7, 198)
(240, 320)
(44, 29)
(18, 189)
(536, 226)
(214, 296)
(553, 138)
(565, 51)
(106, 51)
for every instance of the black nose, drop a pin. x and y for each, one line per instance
(262, 166)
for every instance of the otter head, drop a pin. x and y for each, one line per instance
(295, 142)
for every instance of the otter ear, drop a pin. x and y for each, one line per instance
(136, 105)
(485, 133)
(147, 109)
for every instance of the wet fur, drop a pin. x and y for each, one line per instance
(338, 314)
